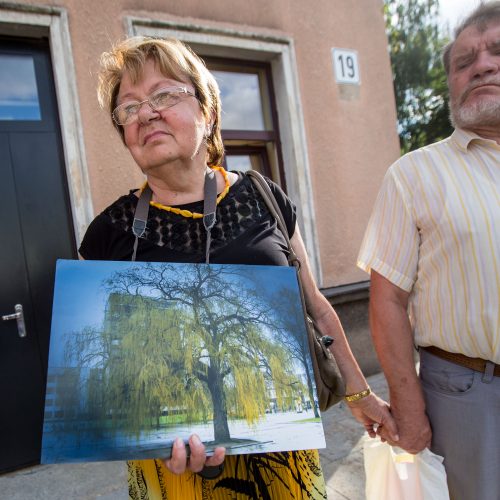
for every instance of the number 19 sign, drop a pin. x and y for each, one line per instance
(345, 64)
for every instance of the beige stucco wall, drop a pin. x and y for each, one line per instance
(352, 135)
(351, 132)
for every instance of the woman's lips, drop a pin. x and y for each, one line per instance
(152, 135)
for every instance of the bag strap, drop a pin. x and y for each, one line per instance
(273, 207)
(270, 200)
(141, 217)
(209, 208)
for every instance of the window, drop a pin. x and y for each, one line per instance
(18, 89)
(246, 158)
(249, 119)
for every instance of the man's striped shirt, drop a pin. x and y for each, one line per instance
(435, 232)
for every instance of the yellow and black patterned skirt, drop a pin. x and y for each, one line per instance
(269, 476)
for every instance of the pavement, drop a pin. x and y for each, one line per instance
(342, 462)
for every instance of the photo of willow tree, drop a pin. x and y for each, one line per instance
(141, 353)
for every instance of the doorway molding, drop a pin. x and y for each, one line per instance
(34, 21)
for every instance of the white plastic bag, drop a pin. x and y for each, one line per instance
(394, 474)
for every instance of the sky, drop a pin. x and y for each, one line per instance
(453, 11)
(18, 90)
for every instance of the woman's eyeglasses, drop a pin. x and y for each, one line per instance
(161, 99)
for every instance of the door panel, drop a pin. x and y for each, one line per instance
(35, 220)
(46, 229)
(21, 381)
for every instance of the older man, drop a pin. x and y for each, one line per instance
(433, 249)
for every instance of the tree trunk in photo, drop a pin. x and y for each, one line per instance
(216, 388)
(310, 390)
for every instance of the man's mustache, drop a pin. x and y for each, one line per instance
(491, 80)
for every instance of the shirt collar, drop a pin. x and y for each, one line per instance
(463, 138)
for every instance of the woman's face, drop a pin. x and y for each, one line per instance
(157, 138)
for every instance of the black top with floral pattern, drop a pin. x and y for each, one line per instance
(245, 231)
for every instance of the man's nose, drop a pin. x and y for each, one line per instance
(486, 64)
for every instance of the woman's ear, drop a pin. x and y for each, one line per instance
(210, 124)
(208, 129)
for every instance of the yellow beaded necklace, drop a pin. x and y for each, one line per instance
(188, 213)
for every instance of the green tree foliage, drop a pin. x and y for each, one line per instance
(420, 85)
(220, 361)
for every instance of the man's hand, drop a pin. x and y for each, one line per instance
(413, 426)
(393, 339)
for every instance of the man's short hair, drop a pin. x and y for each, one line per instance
(480, 17)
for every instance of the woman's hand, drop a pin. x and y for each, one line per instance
(179, 462)
(374, 413)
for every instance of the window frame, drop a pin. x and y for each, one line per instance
(250, 150)
(255, 136)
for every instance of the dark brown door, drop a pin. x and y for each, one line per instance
(36, 229)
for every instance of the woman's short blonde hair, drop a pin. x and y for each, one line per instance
(175, 60)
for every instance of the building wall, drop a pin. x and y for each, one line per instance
(349, 131)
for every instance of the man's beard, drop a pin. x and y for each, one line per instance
(484, 112)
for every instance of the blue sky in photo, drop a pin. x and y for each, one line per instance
(79, 300)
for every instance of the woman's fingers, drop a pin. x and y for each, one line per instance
(376, 417)
(177, 462)
(217, 458)
(198, 455)
(370, 428)
(389, 425)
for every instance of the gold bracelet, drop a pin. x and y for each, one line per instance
(358, 395)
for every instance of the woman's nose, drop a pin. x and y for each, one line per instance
(146, 113)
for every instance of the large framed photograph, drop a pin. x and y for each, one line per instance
(141, 353)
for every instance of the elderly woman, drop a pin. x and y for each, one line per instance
(166, 107)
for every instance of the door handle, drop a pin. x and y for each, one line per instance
(19, 317)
